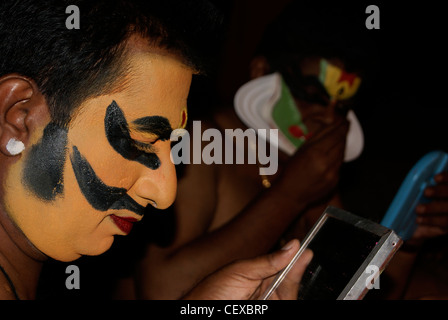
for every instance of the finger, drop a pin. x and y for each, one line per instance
(437, 191)
(334, 132)
(433, 207)
(425, 232)
(441, 177)
(268, 265)
(273, 263)
(331, 145)
(433, 220)
(289, 288)
(337, 151)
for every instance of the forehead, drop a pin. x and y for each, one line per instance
(155, 84)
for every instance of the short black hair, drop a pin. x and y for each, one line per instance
(71, 65)
(329, 29)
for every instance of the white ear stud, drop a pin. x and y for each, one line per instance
(15, 147)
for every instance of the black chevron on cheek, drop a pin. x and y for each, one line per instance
(43, 171)
(117, 133)
(100, 196)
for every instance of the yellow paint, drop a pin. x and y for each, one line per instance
(339, 84)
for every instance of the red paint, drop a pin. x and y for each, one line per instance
(184, 119)
(296, 131)
(349, 77)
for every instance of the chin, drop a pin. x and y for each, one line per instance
(87, 250)
(100, 248)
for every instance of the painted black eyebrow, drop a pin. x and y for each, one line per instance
(117, 133)
(157, 125)
(100, 196)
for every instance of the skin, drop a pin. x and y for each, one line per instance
(232, 198)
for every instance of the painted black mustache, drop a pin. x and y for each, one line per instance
(101, 196)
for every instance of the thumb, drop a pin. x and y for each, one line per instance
(268, 265)
(289, 288)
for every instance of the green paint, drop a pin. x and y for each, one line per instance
(286, 114)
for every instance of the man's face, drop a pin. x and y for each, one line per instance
(74, 189)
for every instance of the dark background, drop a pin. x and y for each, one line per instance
(404, 110)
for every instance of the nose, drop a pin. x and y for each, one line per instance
(156, 187)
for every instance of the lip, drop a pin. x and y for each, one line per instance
(125, 224)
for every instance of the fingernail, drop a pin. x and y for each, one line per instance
(288, 246)
(309, 257)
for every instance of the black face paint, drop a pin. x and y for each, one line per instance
(117, 133)
(43, 172)
(100, 196)
(157, 125)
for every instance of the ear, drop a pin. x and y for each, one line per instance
(258, 67)
(23, 109)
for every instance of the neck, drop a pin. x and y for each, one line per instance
(20, 260)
